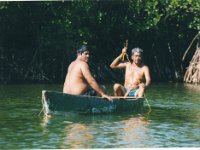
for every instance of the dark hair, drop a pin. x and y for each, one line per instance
(82, 49)
(137, 50)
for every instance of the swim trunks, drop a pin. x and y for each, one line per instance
(132, 92)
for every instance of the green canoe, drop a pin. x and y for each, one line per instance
(59, 102)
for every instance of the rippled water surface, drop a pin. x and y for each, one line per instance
(173, 122)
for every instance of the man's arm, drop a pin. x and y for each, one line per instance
(147, 76)
(91, 81)
(116, 64)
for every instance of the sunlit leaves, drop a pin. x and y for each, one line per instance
(188, 10)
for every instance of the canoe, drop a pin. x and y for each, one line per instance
(59, 102)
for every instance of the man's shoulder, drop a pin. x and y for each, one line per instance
(82, 64)
(145, 67)
(78, 64)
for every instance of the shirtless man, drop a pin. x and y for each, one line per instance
(137, 76)
(79, 80)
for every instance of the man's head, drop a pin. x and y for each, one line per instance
(137, 55)
(83, 53)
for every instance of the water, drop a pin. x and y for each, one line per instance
(173, 122)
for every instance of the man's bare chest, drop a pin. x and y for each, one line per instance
(134, 71)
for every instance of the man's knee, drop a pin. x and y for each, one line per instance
(140, 92)
(116, 87)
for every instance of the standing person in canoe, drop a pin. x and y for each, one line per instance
(137, 76)
(79, 80)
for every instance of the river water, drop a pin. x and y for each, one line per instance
(173, 122)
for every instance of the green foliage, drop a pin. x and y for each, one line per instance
(36, 35)
(184, 10)
(144, 14)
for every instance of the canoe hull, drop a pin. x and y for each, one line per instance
(57, 101)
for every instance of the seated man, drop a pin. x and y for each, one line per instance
(135, 75)
(79, 80)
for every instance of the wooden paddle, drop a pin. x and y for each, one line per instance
(125, 54)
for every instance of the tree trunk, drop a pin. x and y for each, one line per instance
(192, 74)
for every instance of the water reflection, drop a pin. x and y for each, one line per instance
(134, 129)
(70, 133)
(45, 120)
(98, 131)
(77, 136)
(192, 87)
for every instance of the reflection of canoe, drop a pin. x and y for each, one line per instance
(57, 101)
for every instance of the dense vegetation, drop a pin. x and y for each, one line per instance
(38, 40)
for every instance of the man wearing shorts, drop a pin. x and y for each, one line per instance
(137, 76)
